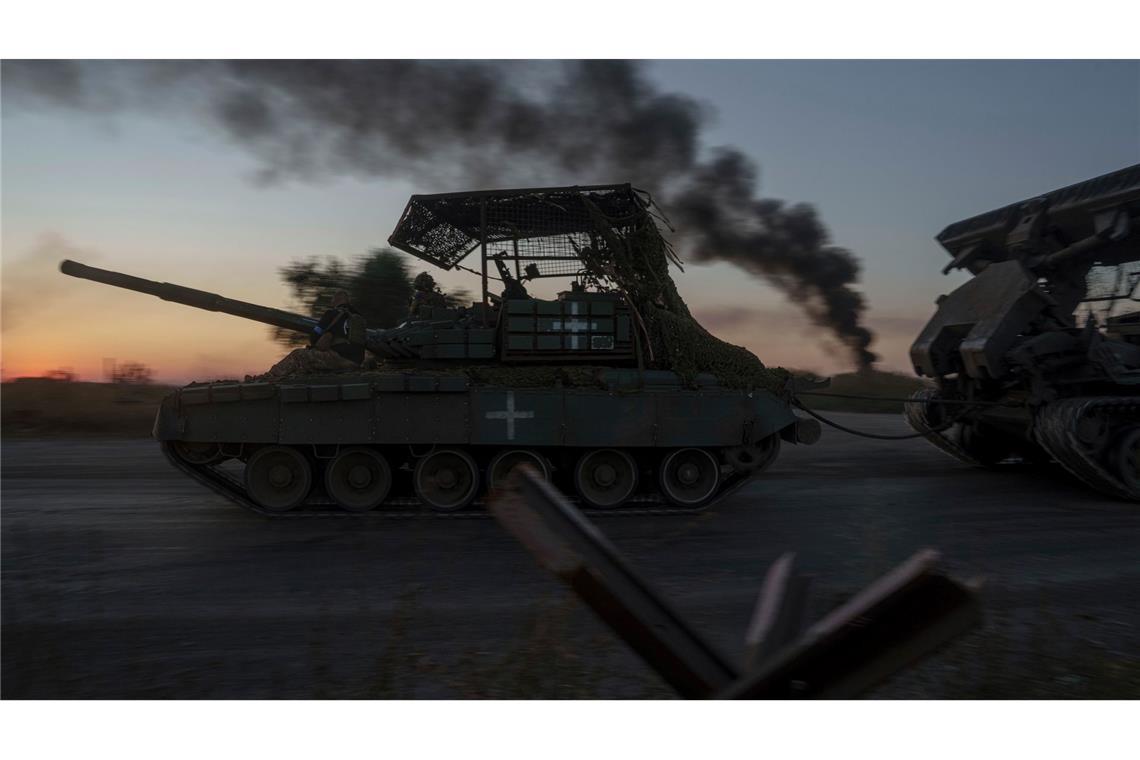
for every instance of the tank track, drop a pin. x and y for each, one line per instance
(1055, 431)
(231, 488)
(915, 414)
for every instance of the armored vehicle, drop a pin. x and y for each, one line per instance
(1038, 354)
(609, 388)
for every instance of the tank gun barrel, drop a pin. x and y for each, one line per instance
(199, 299)
(384, 343)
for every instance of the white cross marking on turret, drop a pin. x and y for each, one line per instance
(573, 326)
(510, 415)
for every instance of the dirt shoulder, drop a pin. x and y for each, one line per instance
(38, 407)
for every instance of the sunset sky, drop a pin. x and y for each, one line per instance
(889, 152)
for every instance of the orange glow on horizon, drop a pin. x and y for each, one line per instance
(178, 346)
(209, 347)
(52, 322)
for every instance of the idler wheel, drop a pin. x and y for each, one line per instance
(933, 413)
(198, 453)
(505, 461)
(1092, 430)
(1127, 464)
(767, 450)
(605, 478)
(689, 477)
(750, 459)
(446, 480)
(278, 478)
(358, 479)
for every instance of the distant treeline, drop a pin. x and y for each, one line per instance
(33, 407)
(866, 383)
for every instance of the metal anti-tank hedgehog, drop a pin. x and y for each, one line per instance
(610, 389)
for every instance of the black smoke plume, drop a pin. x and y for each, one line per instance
(787, 245)
(477, 123)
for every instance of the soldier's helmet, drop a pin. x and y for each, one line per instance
(424, 281)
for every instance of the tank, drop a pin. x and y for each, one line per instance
(1038, 353)
(608, 388)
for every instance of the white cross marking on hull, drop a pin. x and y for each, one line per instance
(510, 415)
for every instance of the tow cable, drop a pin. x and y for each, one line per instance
(877, 436)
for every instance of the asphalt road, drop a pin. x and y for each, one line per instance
(122, 579)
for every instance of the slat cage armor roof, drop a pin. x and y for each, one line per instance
(1071, 208)
(548, 227)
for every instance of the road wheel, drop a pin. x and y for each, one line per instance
(605, 478)
(507, 460)
(278, 478)
(358, 479)
(446, 480)
(195, 452)
(1127, 456)
(689, 477)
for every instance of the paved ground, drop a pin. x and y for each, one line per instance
(122, 579)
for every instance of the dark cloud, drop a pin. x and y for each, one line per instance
(477, 123)
(787, 245)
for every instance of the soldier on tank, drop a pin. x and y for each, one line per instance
(340, 330)
(512, 288)
(336, 344)
(427, 294)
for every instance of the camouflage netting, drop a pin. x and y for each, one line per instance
(574, 376)
(535, 376)
(636, 263)
(305, 361)
(569, 376)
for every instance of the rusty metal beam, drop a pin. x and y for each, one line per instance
(568, 545)
(778, 616)
(905, 615)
